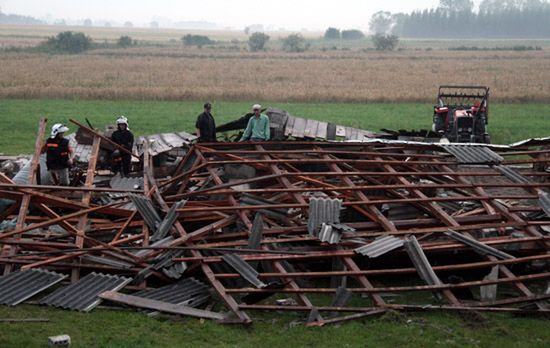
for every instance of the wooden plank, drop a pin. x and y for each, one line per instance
(26, 200)
(86, 197)
(160, 306)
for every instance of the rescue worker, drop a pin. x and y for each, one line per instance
(257, 128)
(205, 125)
(58, 155)
(122, 161)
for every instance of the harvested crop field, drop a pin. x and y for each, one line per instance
(177, 73)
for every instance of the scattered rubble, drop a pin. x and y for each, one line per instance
(334, 230)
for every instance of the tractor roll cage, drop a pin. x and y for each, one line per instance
(456, 96)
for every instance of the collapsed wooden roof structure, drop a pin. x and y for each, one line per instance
(337, 230)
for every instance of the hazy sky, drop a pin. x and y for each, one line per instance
(292, 14)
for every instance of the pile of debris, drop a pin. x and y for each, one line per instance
(334, 230)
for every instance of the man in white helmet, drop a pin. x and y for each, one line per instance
(121, 160)
(58, 154)
(257, 128)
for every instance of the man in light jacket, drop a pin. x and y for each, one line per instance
(258, 126)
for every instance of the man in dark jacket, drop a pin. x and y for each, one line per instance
(58, 155)
(206, 126)
(122, 161)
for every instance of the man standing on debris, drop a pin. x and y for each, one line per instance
(206, 126)
(122, 161)
(58, 155)
(258, 126)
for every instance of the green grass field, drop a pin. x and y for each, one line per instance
(107, 328)
(19, 118)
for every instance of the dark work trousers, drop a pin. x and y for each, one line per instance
(122, 165)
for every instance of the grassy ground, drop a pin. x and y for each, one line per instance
(508, 123)
(105, 328)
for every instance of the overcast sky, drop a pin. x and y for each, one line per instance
(291, 14)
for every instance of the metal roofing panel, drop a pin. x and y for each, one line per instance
(255, 238)
(512, 174)
(380, 246)
(478, 246)
(472, 154)
(146, 210)
(322, 130)
(289, 125)
(168, 221)
(106, 261)
(189, 292)
(311, 128)
(159, 143)
(544, 201)
(420, 261)
(17, 287)
(323, 210)
(84, 294)
(244, 269)
(329, 234)
(298, 128)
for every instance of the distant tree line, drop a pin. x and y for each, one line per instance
(17, 19)
(458, 19)
(337, 34)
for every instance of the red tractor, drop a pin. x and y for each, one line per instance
(462, 114)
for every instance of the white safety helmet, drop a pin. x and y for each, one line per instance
(123, 120)
(58, 128)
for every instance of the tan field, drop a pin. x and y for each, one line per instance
(179, 73)
(226, 71)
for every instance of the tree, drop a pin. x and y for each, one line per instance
(381, 22)
(332, 34)
(456, 5)
(385, 42)
(352, 34)
(87, 22)
(196, 40)
(125, 41)
(257, 41)
(69, 42)
(295, 43)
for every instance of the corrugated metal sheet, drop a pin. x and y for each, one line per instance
(328, 234)
(159, 143)
(249, 199)
(20, 286)
(298, 127)
(255, 238)
(22, 176)
(189, 292)
(82, 152)
(380, 246)
(478, 246)
(168, 221)
(244, 269)
(512, 174)
(120, 183)
(144, 252)
(84, 294)
(146, 209)
(323, 210)
(420, 261)
(544, 201)
(103, 260)
(473, 154)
